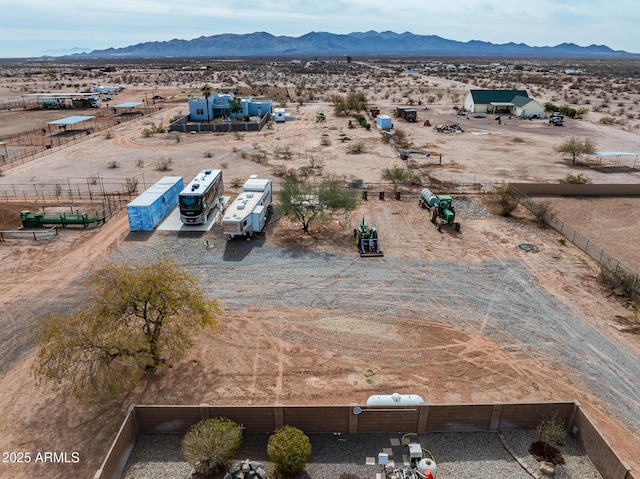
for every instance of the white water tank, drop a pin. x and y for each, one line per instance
(425, 465)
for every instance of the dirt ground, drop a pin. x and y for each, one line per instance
(454, 317)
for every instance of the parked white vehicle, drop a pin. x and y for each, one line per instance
(248, 213)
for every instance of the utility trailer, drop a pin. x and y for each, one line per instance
(248, 213)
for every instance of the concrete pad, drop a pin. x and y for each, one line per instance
(370, 461)
(395, 441)
(388, 450)
(172, 221)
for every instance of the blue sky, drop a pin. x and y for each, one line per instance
(35, 27)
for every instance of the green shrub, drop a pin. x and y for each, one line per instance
(579, 179)
(209, 445)
(506, 198)
(289, 449)
(552, 430)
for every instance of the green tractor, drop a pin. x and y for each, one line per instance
(367, 240)
(441, 210)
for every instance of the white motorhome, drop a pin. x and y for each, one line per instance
(248, 213)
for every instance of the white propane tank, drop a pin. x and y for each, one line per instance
(425, 465)
(429, 199)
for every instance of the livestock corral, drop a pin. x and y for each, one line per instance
(502, 309)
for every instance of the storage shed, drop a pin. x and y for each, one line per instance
(384, 122)
(151, 207)
(280, 115)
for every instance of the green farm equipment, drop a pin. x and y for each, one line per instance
(367, 240)
(37, 219)
(441, 210)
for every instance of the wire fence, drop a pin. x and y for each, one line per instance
(626, 274)
(29, 145)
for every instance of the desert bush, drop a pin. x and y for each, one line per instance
(108, 135)
(208, 154)
(543, 212)
(113, 164)
(552, 430)
(163, 164)
(505, 197)
(132, 185)
(281, 171)
(209, 445)
(140, 163)
(579, 179)
(146, 133)
(625, 284)
(284, 151)
(356, 148)
(607, 120)
(289, 449)
(237, 182)
(224, 165)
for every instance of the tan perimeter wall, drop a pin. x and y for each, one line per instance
(557, 189)
(343, 419)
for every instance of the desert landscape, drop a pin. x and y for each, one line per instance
(455, 317)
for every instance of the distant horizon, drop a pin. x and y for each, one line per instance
(80, 50)
(40, 26)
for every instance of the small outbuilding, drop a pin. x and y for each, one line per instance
(280, 116)
(384, 122)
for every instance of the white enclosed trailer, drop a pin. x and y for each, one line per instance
(248, 213)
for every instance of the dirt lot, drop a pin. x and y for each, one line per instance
(454, 317)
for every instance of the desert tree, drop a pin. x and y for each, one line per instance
(235, 106)
(396, 175)
(577, 147)
(206, 93)
(307, 201)
(354, 101)
(133, 318)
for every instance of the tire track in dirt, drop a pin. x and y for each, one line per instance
(49, 282)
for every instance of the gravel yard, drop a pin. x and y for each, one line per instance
(457, 455)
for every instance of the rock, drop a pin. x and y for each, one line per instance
(245, 467)
(255, 465)
(547, 468)
(235, 468)
(262, 473)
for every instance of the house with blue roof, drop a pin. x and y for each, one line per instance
(217, 106)
(506, 102)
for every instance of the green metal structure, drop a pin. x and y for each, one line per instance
(38, 219)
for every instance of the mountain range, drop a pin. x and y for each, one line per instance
(369, 43)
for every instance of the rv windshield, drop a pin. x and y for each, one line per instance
(191, 203)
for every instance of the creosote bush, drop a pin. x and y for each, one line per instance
(579, 179)
(209, 445)
(289, 449)
(506, 198)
